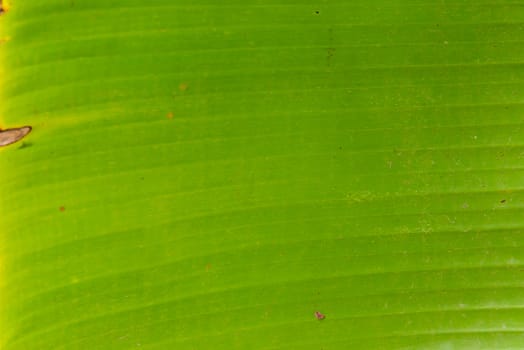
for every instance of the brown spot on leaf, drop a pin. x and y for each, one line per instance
(169, 115)
(10, 136)
(182, 86)
(62, 208)
(319, 315)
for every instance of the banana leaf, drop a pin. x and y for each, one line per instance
(262, 174)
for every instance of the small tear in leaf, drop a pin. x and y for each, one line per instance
(10, 136)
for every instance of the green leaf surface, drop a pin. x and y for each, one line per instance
(208, 175)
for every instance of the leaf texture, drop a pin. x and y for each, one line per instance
(209, 175)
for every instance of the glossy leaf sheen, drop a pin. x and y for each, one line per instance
(210, 175)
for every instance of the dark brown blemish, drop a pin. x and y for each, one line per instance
(503, 201)
(319, 315)
(62, 208)
(3, 8)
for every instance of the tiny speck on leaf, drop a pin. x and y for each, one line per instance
(503, 201)
(62, 208)
(182, 87)
(319, 315)
(169, 115)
